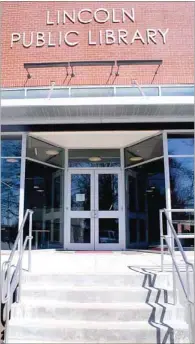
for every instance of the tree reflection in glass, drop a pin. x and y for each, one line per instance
(10, 190)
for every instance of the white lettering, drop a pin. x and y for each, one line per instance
(60, 39)
(71, 44)
(71, 18)
(122, 34)
(137, 36)
(110, 38)
(114, 20)
(48, 22)
(40, 39)
(15, 38)
(100, 37)
(98, 20)
(58, 17)
(90, 38)
(163, 34)
(50, 44)
(131, 15)
(86, 21)
(150, 34)
(27, 45)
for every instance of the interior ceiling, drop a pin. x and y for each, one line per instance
(94, 139)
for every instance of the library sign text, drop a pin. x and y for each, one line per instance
(127, 34)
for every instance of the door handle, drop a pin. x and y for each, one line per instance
(95, 214)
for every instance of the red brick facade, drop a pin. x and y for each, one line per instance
(177, 52)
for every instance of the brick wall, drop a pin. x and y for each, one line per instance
(177, 53)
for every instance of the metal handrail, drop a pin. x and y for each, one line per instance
(11, 283)
(170, 241)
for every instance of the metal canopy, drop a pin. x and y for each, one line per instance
(97, 110)
(91, 63)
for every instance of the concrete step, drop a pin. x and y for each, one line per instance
(40, 309)
(136, 279)
(95, 294)
(96, 332)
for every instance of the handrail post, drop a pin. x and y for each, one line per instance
(190, 317)
(30, 242)
(7, 304)
(20, 258)
(161, 239)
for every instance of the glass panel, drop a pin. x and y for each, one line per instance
(132, 196)
(92, 92)
(10, 191)
(183, 222)
(177, 91)
(182, 182)
(142, 230)
(181, 144)
(80, 192)
(135, 92)
(56, 230)
(108, 231)
(80, 231)
(11, 145)
(13, 94)
(108, 191)
(40, 195)
(57, 193)
(60, 93)
(143, 151)
(45, 152)
(38, 93)
(94, 158)
(146, 195)
(133, 230)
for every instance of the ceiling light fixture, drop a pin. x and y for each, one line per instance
(40, 190)
(52, 152)
(11, 160)
(95, 158)
(135, 158)
(36, 187)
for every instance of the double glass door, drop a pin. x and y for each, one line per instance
(94, 209)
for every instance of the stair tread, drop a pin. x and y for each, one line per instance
(90, 305)
(128, 325)
(87, 288)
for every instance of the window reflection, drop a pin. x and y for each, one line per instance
(43, 194)
(45, 152)
(182, 182)
(108, 191)
(80, 231)
(146, 195)
(80, 191)
(11, 145)
(181, 144)
(94, 158)
(10, 192)
(108, 231)
(143, 151)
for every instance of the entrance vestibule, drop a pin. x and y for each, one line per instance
(91, 198)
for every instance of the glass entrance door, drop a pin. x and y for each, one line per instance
(81, 210)
(94, 209)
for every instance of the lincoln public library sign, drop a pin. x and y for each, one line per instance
(61, 37)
